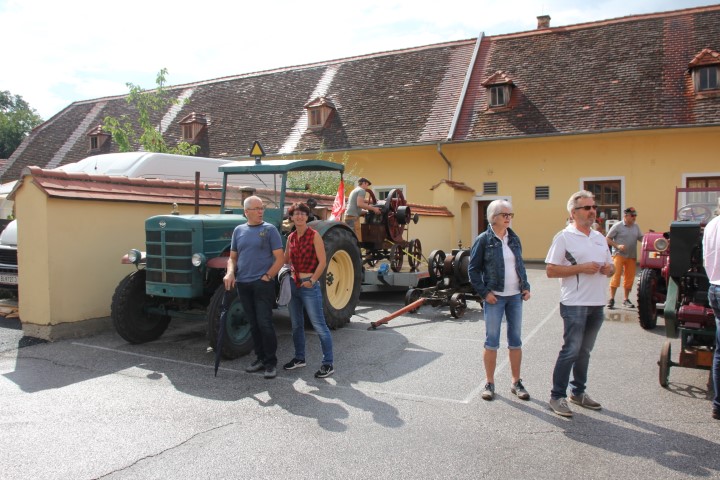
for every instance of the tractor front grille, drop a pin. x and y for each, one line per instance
(168, 257)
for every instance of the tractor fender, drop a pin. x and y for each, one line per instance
(323, 226)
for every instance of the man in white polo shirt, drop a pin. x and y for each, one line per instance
(579, 256)
(711, 261)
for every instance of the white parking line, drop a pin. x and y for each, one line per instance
(474, 393)
(504, 363)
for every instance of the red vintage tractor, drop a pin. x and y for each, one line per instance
(672, 276)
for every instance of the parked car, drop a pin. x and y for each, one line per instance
(8, 257)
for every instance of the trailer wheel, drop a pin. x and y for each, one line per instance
(458, 305)
(343, 276)
(646, 296)
(129, 311)
(237, 339)
(665, 363)
(413, 295)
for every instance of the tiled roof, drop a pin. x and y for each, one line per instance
(83, 186)
(617, 74)
(386, 99)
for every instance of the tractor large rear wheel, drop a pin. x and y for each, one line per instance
(647, 298)
(343, 276)
(129, 311)
(237, 338)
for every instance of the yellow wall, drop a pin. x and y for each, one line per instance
(650, 165)
(70, 251)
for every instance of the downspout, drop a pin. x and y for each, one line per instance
(458, 107)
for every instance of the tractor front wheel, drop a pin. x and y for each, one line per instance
(129, 311)
(646, 298)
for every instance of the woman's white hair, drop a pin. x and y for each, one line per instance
(495, 207)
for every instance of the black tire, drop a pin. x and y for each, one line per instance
(458, 305)
(646, 295)
(665, 363)
(128, 311)
(413, 295)
(342, 278)
(237, 338)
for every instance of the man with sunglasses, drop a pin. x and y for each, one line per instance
(579, 256)
(623, 238)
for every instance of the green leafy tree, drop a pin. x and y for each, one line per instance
(17, 119)
(146, 102)
(324, 183)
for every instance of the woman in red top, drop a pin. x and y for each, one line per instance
(305, 252)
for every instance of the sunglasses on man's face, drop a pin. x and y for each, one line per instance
(632, 214)
(587, 208)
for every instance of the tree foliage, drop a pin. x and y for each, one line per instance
(17, 119)
(150, 139)
(324, 183)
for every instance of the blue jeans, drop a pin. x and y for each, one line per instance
(582, 324)
(511, 308)
(311, 299)
(258, 299)
(714, 298)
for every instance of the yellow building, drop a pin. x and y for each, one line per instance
(627, 108)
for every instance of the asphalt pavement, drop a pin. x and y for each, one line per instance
(404, 402)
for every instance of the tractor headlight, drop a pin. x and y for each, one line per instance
(661, 244)
(198, 259)
(134, 256)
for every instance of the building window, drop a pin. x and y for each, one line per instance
(499, 95)
(315, 118)
(381, 193)
(499, 89)
(542, 193)
(490, 188)
(707, 198)
(706, 78)
(607, 198)
(319, 112)
(98, 139)
(705, 70)
(193, 126)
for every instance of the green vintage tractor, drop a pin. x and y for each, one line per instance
(179, 275)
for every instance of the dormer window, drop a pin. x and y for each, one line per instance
(193, 126)
(319, 112)
(498, 95)
(707, 78)
(98, 138)
(499, 90)
(705, 69)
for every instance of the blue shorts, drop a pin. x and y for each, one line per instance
(511, 308)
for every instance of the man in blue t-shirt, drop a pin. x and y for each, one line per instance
(256, 254)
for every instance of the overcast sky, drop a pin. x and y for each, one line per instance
(56, 52)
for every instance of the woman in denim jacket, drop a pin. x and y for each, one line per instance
(497, 273)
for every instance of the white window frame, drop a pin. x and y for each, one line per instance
(698, 73)
(377, 189)
(492, 96)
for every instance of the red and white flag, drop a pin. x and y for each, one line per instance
(338, 207)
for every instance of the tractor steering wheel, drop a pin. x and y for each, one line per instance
(695, 213)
